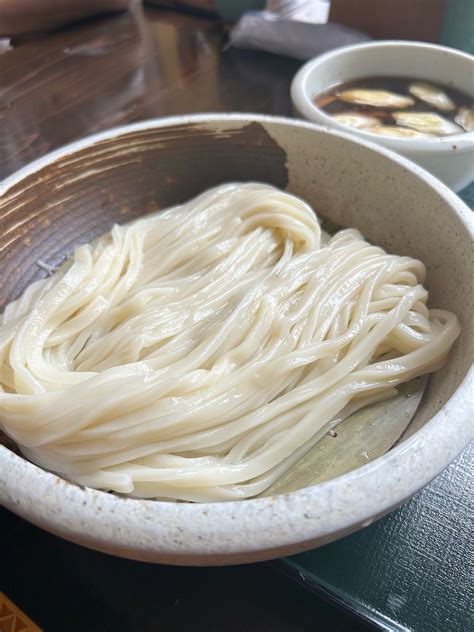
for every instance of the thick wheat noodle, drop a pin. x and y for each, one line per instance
(196, 354)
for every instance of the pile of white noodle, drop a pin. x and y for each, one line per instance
(198, 353)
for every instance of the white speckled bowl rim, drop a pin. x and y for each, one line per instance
(255, 529)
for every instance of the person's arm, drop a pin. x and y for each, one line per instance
(26, 16)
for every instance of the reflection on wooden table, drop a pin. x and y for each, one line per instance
(125, 68)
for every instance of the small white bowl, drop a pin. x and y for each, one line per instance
(450, 158)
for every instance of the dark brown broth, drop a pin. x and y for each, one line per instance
(330, 104)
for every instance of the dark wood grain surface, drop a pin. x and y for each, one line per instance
(99, 74)
(67, 588)
(133, 66)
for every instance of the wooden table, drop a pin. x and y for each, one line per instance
(103, 73)
(107, 72)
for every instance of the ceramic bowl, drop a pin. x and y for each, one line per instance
(450, 158)
(76, 193)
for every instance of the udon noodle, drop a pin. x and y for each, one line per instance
(197, 353)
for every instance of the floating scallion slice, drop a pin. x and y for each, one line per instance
(375, 98)
(427, 122)
(355, 120)
(432, 96)
(397, 132)
(465, 117)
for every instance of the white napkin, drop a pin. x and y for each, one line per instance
(292, 31)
